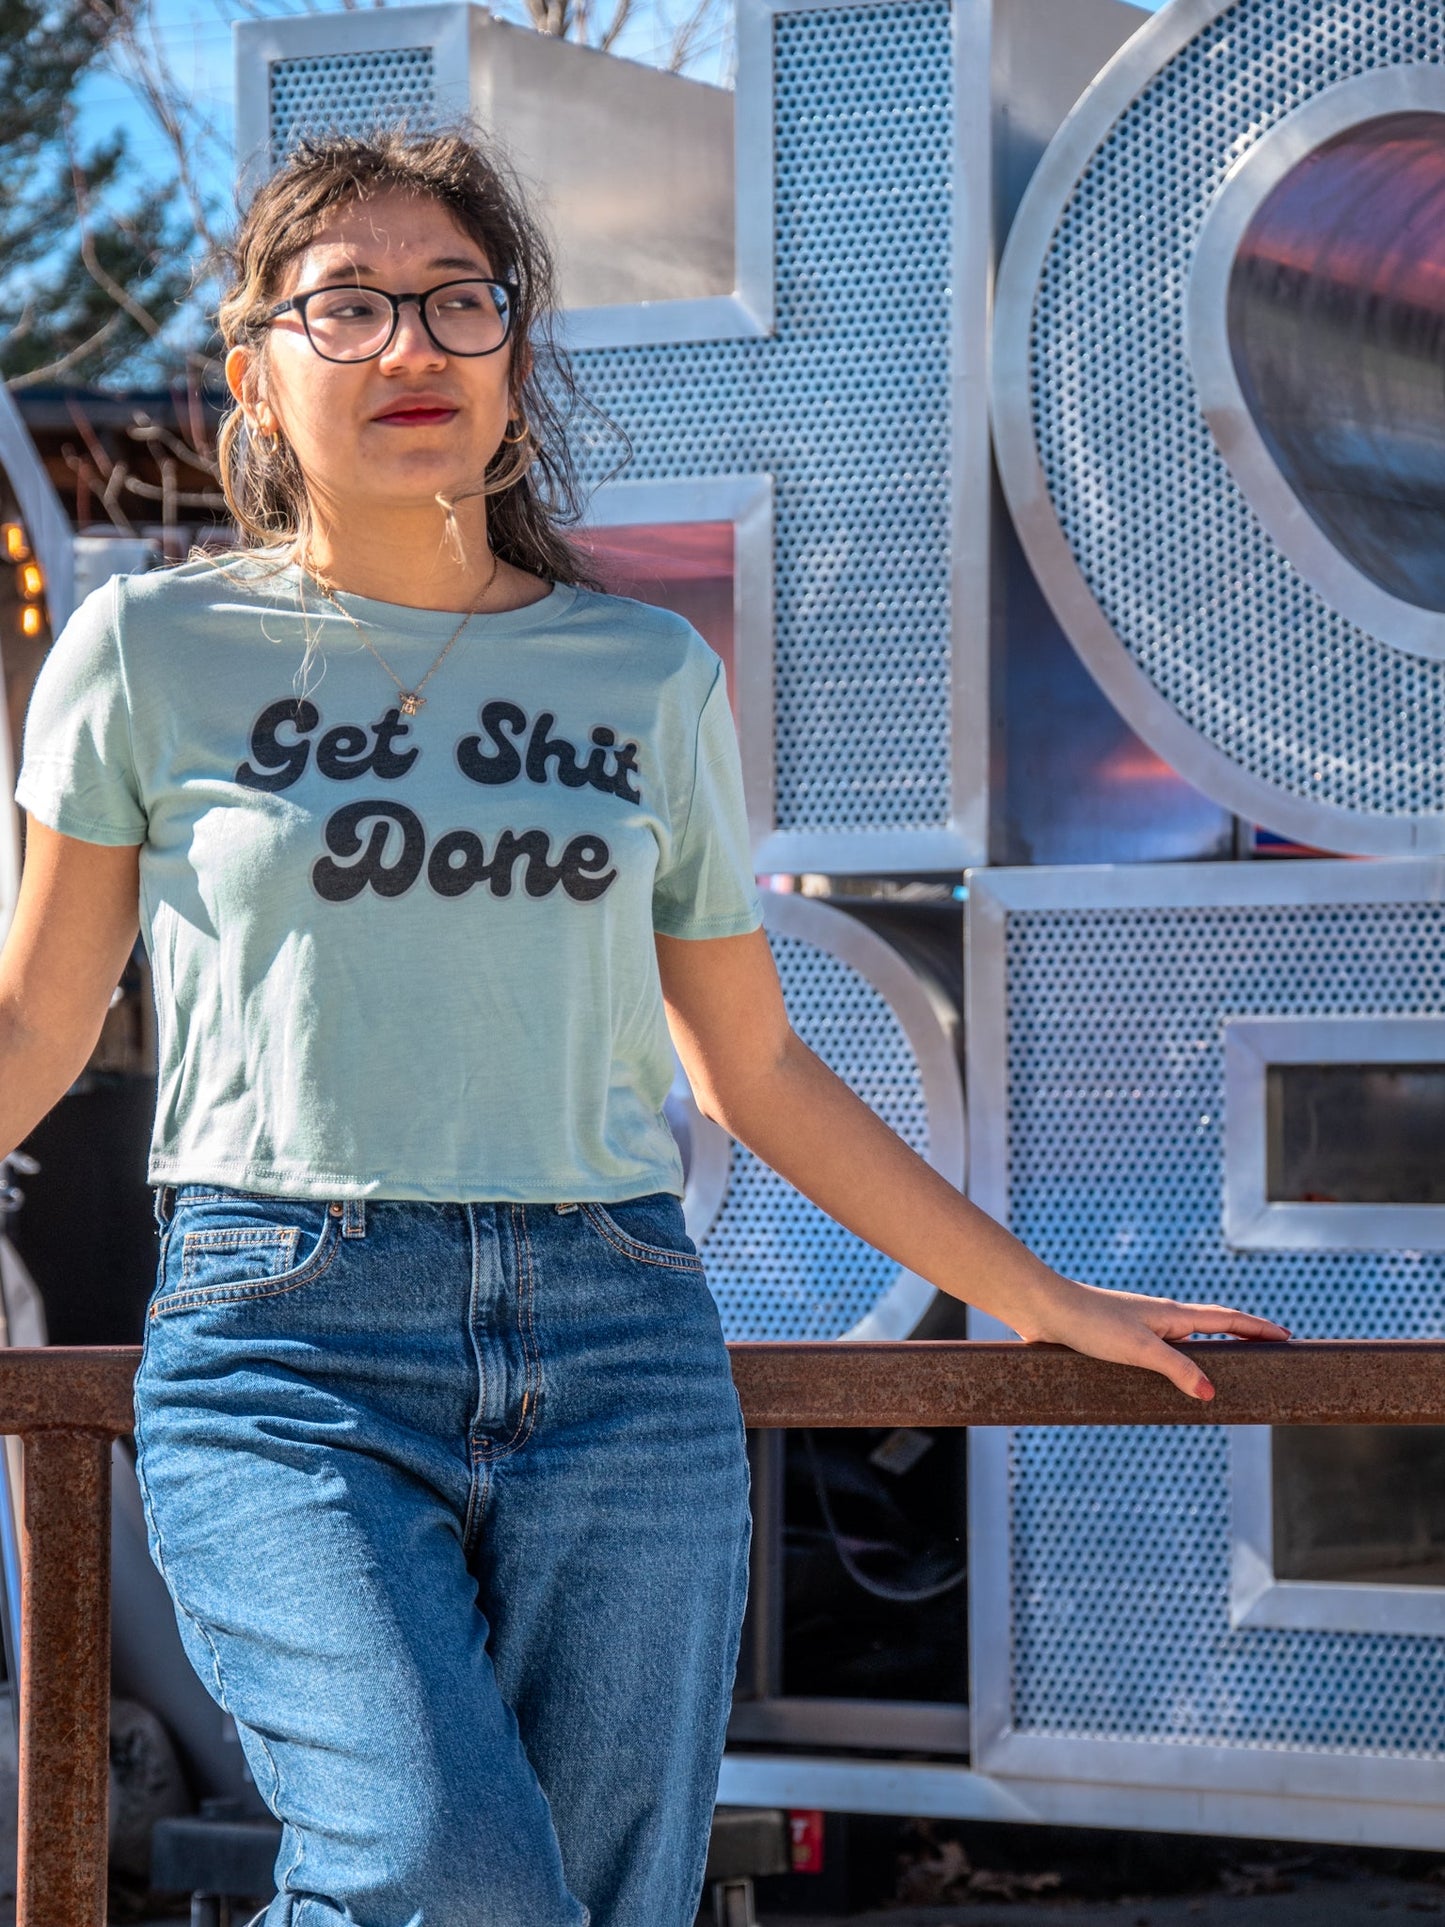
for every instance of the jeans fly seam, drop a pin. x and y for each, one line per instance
(315, 1267)
(532, 1351)
(476, 1497)
(644, 1254)
(481, 1490)
(523, 1248)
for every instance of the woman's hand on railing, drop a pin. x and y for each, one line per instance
(1130, 1329)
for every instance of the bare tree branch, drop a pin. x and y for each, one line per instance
(121, 296)
(143, 64)
(87, 434)
(202, 440)
(148, 491)
(62, 365)
(620, 16)
(685, 37)
(155, 433)
(555, 17)
(110, 472)
(23, 326)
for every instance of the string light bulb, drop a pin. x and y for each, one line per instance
(17, 549)
(32, 582)
(32, 621)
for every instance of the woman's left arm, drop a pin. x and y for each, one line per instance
(753, 1075)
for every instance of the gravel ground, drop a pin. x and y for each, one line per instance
(1328, 1904)
(1353, 1902)
(1027, 1877)
(957, 1874)
(1362, 1903)
(1315, 1908)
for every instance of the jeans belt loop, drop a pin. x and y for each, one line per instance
(165, 1204)
(353, 1218)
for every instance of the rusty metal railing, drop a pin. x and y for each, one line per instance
(70, 1404)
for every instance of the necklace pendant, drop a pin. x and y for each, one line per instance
(411, 702)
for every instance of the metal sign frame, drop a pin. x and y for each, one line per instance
(1290, 1792)
(747, 502)
(1258, 1597)
(1253, 1221)
(750, 313)
(1189, 749)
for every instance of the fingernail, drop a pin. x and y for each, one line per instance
(1204, 1389)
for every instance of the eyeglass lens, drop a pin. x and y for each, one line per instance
(466, 318)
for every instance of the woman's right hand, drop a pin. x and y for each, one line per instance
(1133, 1329)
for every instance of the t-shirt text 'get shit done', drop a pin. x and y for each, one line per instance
(459, 859)
(401, 956)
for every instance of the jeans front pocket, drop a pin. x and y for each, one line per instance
(233, 1248)
(650, 1229)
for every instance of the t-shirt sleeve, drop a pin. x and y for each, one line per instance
(77, 771)
(706, 888)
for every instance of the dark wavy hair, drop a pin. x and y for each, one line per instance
(531, 485)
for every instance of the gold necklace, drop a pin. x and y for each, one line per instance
(412, 699)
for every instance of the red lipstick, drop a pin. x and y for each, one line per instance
(417, 410)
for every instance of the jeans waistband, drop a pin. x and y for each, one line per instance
(351, 1211)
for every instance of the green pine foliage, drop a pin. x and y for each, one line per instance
(63, 198)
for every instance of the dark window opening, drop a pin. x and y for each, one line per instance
(1361, 1503)
(1355, 1133)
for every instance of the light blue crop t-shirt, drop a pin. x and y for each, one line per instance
(400, 957)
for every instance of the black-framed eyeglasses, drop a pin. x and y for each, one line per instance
(348, 323)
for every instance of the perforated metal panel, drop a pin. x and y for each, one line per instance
(1109, 1063)
(1192, 617)
(778, 1266)
(847, 407)
(348, 92)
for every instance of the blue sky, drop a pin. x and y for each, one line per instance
(196, 37)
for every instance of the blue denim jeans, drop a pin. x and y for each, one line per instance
(452, 1500)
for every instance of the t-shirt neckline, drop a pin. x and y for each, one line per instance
(406, 619)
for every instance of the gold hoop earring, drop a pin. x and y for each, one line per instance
(511, 440)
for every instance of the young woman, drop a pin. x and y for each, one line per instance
(431, 843)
